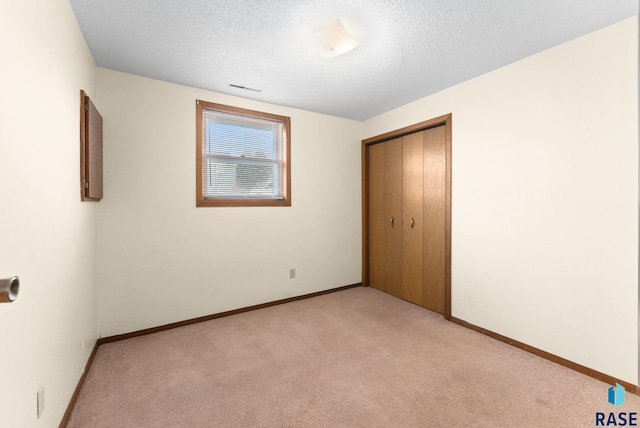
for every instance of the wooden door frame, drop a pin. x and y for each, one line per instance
(431, 123)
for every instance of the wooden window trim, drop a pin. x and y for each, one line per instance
(201, 201)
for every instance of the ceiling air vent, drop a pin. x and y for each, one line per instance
(243, 87)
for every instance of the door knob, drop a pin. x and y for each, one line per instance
(413, 222)
(393, 221)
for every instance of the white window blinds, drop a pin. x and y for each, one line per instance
(243, 156)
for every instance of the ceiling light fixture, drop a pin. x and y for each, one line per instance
(336, 40)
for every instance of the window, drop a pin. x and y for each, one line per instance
(243, 157)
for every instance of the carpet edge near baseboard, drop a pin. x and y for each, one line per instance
(76, 392)
(144, 332)
(548, 356)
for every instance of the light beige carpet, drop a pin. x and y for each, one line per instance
(354, 358)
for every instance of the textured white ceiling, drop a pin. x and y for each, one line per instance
(410, 48)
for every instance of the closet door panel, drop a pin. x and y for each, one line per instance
(377, 221)
(434, 219)
(408, 203)
(393, 216)
(412, 217)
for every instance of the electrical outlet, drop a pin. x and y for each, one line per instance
(40, 401)
(292, 273)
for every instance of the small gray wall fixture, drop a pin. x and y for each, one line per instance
(9, 289)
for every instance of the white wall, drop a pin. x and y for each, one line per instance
(545, 198)
(47, 235)
(162, 260)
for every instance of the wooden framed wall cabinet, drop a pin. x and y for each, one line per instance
(90, 150)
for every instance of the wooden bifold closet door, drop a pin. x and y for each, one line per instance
(407, 211)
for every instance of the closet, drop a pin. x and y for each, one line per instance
(407, 213)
